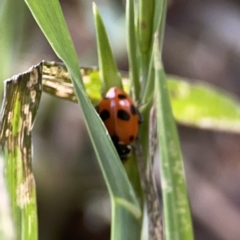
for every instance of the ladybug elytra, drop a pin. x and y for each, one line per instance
(121, 118)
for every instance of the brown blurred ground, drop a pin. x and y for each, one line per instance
(201, 42)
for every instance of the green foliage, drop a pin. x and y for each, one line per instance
(195, 105)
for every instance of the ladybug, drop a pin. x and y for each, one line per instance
(121, 118)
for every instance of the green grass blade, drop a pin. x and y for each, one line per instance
(124, 225)
(160, 12)
(132, 49)
(177, 217)
(22, 96)
(145, 25)
(7, 231)
(145, 35)
(108, 69)
(49, 16)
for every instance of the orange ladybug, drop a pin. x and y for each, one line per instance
(121, 118)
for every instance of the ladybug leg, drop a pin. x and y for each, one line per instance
(115, 140)
(123, 151)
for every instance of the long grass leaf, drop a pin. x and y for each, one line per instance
(108, 70)
(7, 230)
(132, 49)
(177, 216)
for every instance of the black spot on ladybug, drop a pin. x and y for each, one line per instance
(115, 139)
(133, 110)
(131, 138)
(123, 115)
(104, 115)
(122, 96)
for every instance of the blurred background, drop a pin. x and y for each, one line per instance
(202, 41)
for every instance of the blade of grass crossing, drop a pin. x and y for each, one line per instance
(183, 94)
(177, 216)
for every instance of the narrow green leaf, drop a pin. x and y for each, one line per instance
(145, 25)
(7, 230)
(108, 69)
(132, 49)
(145, 34)
(49, 16)
(124, 225)
(177, 216)
(22, 96)
(160, 13)
(135, 90)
